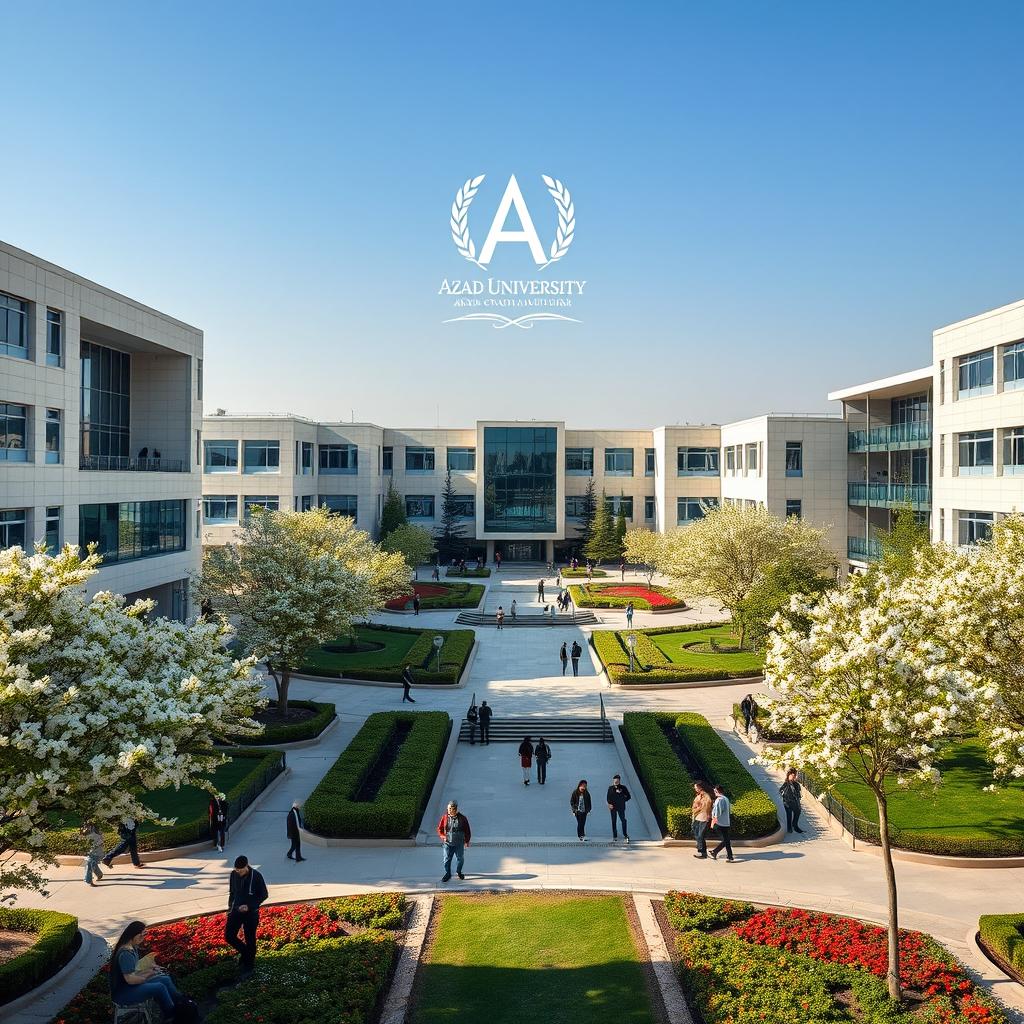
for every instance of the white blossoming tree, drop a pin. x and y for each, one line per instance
(295, 580)
(863, 681)
(100, 704)
(645, 547)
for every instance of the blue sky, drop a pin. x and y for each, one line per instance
(772, 200)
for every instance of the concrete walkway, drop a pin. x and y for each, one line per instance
(518, 672)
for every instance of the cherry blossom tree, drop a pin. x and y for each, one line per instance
(295, 580)
(865, 682)
(101, 704)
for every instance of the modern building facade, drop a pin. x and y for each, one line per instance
(100, 419)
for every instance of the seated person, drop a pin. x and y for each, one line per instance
(134, 979)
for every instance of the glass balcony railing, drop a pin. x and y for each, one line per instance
(889, 495)
(890, 437)
(863, 548)
(128, 464)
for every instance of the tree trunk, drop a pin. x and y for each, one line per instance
(893, 977)
(282, 682)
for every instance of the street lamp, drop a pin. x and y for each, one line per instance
(631, 644)
(439, 643)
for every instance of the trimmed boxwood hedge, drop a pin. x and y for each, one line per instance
(267, 765)
(581, 574)
(56, 936)
(1003, 935)
(307, 729)
(395, 811)
(669, 785)
(474, 573)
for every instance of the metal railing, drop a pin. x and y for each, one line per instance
(893, 435)
(863, 547)
(604, 719)
(255, 787)
(856, 827)
(127, 464)
(860, 493)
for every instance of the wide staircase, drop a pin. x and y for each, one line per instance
(528, 620)
(554, 730)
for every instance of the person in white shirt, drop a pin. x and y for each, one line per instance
(720, 819)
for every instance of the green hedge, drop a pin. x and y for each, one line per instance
(669, 786)
(396, 810)
(474, 573)
(460, 595)
(763, 731)
(307, 729)
(268, 764)
(591, 597)
(651, 664)
(1003, 934)
(578, 574)
(55, 943)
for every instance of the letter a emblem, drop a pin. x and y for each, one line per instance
(513, 197)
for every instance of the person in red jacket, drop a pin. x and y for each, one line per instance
(453, 831)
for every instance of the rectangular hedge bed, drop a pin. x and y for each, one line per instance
(398, 646)
(245, 775)
(777, 965)
(618, 595)
(581, 574)
(669, 783)
(56, 939)
(379, 786)
(481, 574)
(440, 595)
(660, 656)
(294, 732)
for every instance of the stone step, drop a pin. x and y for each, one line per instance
(525, 620)
(554, 730)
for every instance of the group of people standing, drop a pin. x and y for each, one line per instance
(567, 654)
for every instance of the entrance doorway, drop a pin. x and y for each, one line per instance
(521, 550)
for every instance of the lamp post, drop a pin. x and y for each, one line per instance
(439, 643)
(631, 644)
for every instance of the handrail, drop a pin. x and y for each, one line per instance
(896, 493)
(893, 433)
(127, 464)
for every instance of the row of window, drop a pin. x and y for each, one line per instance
(746, 458)
(15, 331)
(16, 528)
(14, 433)
(976, 451)
(975, 372)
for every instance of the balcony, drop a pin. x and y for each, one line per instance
(880, 495)
(863, 549)
(891, 438)
(126, 464)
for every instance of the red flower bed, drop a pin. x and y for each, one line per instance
(654, 598)
(396, 604)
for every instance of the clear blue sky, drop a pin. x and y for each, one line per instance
(773, 200)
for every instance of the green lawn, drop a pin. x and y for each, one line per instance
(396, 646)
(959, 808)
(505, 959)
(675, 647)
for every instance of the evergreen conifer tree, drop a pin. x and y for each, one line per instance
(602, 546)
(450, 540)
(393, 513)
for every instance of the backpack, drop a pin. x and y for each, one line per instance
(186, 1011)
(471, 715)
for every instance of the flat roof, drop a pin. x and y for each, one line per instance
(998, 311)
(895, 382)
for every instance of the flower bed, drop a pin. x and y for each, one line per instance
(309, 969)
(618, 595)
(780, 965)
(669, 786)
(293, 732)
(396, 808)
(56, 939)
(439, 595)
(1003, 938)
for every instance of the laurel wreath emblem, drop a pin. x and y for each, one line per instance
(563, 234)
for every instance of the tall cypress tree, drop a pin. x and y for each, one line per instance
(620, 530)
(450, 541)
(602, 546)
(392, 514)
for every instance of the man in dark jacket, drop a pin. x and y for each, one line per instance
(485, 723)
(127, 830)
(580, 805)
(294, 834)
(749, 709)
(542, 754)
(576, 652)
(407, 682)
(616, 799)
(246, 892)
(454, 832)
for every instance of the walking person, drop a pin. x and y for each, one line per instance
(415, 603)
(575, 655)
(700, 818)
(218, 815)
(721, 819)
(558, 579)
(293, 829)
(629, 615)
(512, 609)
(473, 718)
(590, 572)
(246, 892)
(542, 753)
(454, 832)
(791, 795)
(485, 723)
(499, 617)
(130, 986)
(94, 852)
(617, 797)
(526, 758)
(749, 711)
(563, 654)
(580, 805)
(540, 591)
(128, 832)
(622, 570)
(407, 681)
(497, 561)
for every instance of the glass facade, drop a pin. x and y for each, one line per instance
(220, 457)
(13, 327)
(133, 529)
(341, 504)
(13, 433)
(520, 479)
(339, 458)
(106, 402)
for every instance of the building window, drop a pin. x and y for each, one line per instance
(649, 508)
(220, 510)
(623, 503)
(730, 459)
(13, 327)
(52, 529)
(520, 479)
(341, 504)
(304, 458)
(133, 529)
(53, 436)
(13, 433)
(942, 389)
(1013, 366)
(199, 379)
(976, 451)
(1013, 451)
(303, 503)
(618, 461)
(106, 405)
(464, 506)
(419, 460)
(649, 462)
(271, 502)
(794, 458)
(261, 456)
(794, 507)
(339, 458)
(220, 457)
(54, 338)
(974, 527)
(387, 459)
(690, 509)
(974, 374)
(697, 461)
(942, 454)
(575, 506)
(12, 527)
(752, 458)
(419, 506)
(579, 461)
(462, 460)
